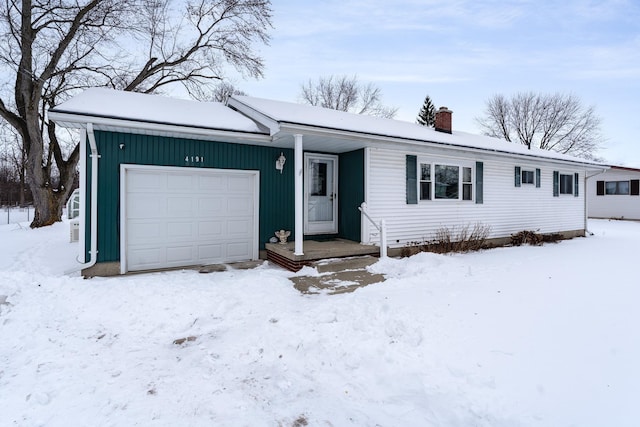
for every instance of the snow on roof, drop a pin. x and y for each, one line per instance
(110, 103)
(291, 113)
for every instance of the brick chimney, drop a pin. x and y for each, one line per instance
(443, 120)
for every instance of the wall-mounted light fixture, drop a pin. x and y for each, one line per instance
(280, 162)
(121, 146)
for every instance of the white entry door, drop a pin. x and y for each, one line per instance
(320, 193)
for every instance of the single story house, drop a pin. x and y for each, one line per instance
(615, 194)
(171, 183)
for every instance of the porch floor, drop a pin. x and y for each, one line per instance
(316, 250)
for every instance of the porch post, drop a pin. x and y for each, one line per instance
(299, 201)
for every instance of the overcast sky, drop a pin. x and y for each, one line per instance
(461, 52)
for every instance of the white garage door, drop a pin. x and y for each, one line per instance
(177, 217)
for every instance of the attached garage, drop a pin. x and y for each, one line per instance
(176, 216)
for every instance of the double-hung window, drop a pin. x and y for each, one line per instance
(528, 177)
(445, 182)
(566, 184)
(425, 181)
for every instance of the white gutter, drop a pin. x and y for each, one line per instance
(93, 252)
(586, 215)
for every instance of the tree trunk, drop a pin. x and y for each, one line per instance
(49, 202)
(48, 205)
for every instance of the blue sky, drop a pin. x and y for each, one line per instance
(461, 53)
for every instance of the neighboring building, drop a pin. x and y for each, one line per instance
(179, 183)
(615, 194)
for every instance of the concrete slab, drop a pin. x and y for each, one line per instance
(243, 265)
(341, 264)
(338, 276)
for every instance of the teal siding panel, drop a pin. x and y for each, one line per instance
(276, 189)
(350, 194)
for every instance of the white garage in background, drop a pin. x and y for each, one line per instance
(176, 217)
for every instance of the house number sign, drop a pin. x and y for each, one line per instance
(194, 159)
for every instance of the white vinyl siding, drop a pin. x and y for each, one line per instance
(505, 208)
(623, 206)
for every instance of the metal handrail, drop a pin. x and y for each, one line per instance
(382, 228)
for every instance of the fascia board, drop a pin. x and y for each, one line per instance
(255, 115)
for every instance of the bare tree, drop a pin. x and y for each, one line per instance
(556, 122)
(52, 48)
(224, 90)
(346, 93)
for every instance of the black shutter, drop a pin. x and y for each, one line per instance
(479, 182)
(576, 183)
(538, 178)
(556, 184)
(517, 176)
(412, 180)
(635, 187)
(600, 188)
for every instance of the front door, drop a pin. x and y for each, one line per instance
(320, 193)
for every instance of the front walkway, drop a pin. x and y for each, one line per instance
(338, 276)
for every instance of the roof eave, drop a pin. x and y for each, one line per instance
(79, 121)
(289, 127)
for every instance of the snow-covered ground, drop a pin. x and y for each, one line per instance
(14, 215)
(523, 336)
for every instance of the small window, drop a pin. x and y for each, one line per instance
(566, 184)
(425, 181)
(528, 177)
(616, 187)
(447, 182)
(318, 171)
(466, 184)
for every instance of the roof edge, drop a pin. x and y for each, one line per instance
(61, 116)
(297, 127)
